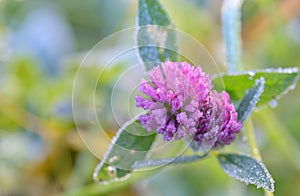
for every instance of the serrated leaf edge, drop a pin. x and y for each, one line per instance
(290, 70)
(269, 176)
(259, 89)
(285, 70)
(106, 154)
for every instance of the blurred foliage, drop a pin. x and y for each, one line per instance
(41, 46)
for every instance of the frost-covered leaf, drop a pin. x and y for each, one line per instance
(250, 99)
(155, 39)
(131, 143)
(247, 169)
(167, 161)
(277, 83)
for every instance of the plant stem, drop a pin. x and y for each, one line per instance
(280, 136)
(253, 145)
(231, 28)
(231, 24)
(251, 139)
(166, 161)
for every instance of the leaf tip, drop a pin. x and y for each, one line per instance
(247, 170)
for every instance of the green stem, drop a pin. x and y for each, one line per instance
(231, 24)
(253, 145)
(231, 20)
(251, 139)
(165, 161)
(280, 136)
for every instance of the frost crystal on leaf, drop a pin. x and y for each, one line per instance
(247, 169)
(181, 103)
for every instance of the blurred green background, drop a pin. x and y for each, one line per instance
(41, 46)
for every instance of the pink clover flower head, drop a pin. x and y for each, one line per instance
(180, 103)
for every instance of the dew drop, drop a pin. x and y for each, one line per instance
(244, 139)
(273, 103)
(112, 159)
(251, 74)
(111, 171)
(132, 151)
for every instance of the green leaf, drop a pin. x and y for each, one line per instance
(131, 144)
(277, 83)
(247, 169)
(151, 12)
(250, 99)
(156, 39)
(167, 161)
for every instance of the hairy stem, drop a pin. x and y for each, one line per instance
(253, 145)
(251, 139)
(231, 24)
(280, 136)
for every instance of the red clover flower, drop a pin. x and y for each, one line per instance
(181, 103)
